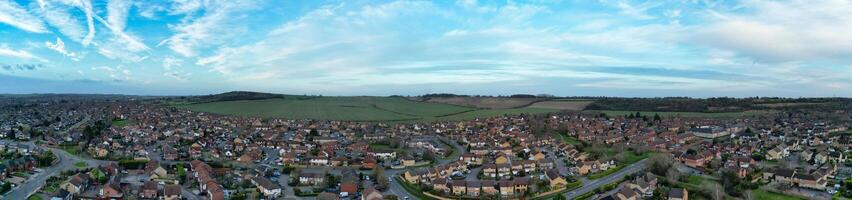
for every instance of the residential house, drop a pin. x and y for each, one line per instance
(267, 187)
(172, 192)
(678, 194)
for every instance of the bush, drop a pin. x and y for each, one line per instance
(132, 164)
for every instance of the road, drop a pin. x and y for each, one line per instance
(617, 176)
(396, 187)
(66, 162)
(188, 195)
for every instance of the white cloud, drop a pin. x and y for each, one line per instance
(117, 73)
(639, 12)
(13, 14)
(782, 31)
(59, 46)
(217, 25)
(58, 16)
(177, 75)
(171, 62)
(117, 13)
(22, 54)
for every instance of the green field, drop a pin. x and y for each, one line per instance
(687, 114)
(118, 123)
(763, 194)
(568, 139)
(81, 164)
(352, 109)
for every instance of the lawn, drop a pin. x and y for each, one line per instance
(73, 150)
(34, 197)
(763, 194)
(352, 109)
(629, 158)
(687, 114)
(632, 157)
(381, 147)
(568, 139)
(605, 173)
(694, 180)
(21, 174)
(118, 123)
(81, 164)
(50, 187)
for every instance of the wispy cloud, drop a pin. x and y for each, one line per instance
(782, 31)
(13, 14)
(59, 47)
(218, 24)
(794, 47)
(21, 54)
(22, 67)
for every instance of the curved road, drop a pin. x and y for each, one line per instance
(36, 181)
(396, 187)
(617, 176)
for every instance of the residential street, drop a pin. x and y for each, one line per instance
(396, 187)
(66, 162)
(594, 184)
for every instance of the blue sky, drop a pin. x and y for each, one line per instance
(561, 47)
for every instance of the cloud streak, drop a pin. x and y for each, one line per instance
(14, 15)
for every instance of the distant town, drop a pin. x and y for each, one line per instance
(464, 147)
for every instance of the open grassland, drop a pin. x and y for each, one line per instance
(352, 109)
(781, 105)
(749, 113)
(484, 102)
(562, 105)
(763, 194)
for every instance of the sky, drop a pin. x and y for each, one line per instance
(698, 48)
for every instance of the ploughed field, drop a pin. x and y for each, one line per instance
(354, 109)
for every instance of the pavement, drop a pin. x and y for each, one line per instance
(189, 195)
(591, 185)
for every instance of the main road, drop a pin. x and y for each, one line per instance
(614, 177)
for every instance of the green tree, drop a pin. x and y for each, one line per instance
(660, 164)
(181, 171)
(381, 178)
(99, 176)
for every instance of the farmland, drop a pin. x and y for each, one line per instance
(561, 104)
(748, 113)
(482, 102)
(352, 109)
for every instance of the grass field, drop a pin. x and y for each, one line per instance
(484, 102)
(118, 123)
(763, 194)
(353, 109)
(562, 105)
(568, 140)
(81, 164)
(687, 114)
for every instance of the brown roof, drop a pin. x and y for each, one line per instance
(172, 190)
(351, 188)
(150, 185)
(676, 193)
(265, 183)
